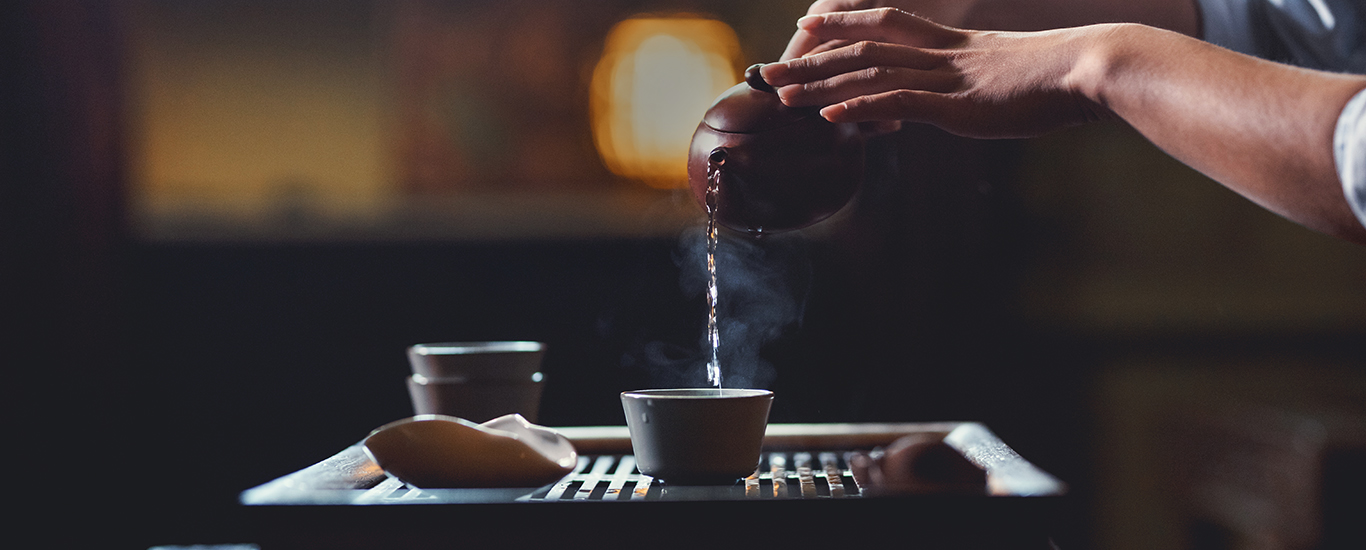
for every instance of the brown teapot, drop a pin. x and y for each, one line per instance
(777, 168)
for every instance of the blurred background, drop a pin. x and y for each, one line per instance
(223, 221)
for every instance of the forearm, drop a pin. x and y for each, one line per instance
(1264, 130)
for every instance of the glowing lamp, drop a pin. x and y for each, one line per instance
(655, 80)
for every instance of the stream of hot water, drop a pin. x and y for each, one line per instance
(715, 161)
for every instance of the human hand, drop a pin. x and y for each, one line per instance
(919, 463)
(947, 12)
(886, 65)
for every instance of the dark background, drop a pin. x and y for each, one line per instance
(1077, 294)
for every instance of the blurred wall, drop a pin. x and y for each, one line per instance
(62, 242)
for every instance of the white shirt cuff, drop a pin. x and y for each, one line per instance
(1349, 152)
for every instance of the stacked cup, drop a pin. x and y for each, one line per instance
(477, 381)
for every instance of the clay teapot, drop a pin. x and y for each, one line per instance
(779, 168)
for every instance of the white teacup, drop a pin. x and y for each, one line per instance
(698, 436)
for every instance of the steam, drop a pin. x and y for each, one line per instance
(762, 287)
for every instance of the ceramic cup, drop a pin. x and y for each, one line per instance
(704, 436)
(477, 381)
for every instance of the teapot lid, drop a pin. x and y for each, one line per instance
(753, 106)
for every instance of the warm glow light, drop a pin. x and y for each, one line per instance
(656, 79)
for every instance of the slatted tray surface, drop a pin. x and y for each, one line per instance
(793, 466)
(347, 502)
(615, 478)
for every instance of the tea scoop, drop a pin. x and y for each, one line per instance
(433, 451)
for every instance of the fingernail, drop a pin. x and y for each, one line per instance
(831, 112)
(774, 73)
(809, 21)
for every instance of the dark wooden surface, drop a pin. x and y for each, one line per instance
(326, 506)
(347, 477)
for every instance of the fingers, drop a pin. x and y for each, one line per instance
(851, 57)
(864, 69)
(878, 62)
(896, 105)
(828, 46)
(902, 106)
(873, 92)
(802, 43)
(877, 67)
(881, 25)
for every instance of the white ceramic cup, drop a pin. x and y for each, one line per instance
(477, 381)
(697, 436)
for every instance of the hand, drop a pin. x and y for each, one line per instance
(920, 463)
(887, 65)
(948, 12)
(803, 43)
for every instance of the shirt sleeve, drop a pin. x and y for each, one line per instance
(1349, 152)
(1227, 23)
(1318, 34)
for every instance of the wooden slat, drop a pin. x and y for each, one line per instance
(617, 439)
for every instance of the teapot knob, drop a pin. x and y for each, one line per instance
(756, 80)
